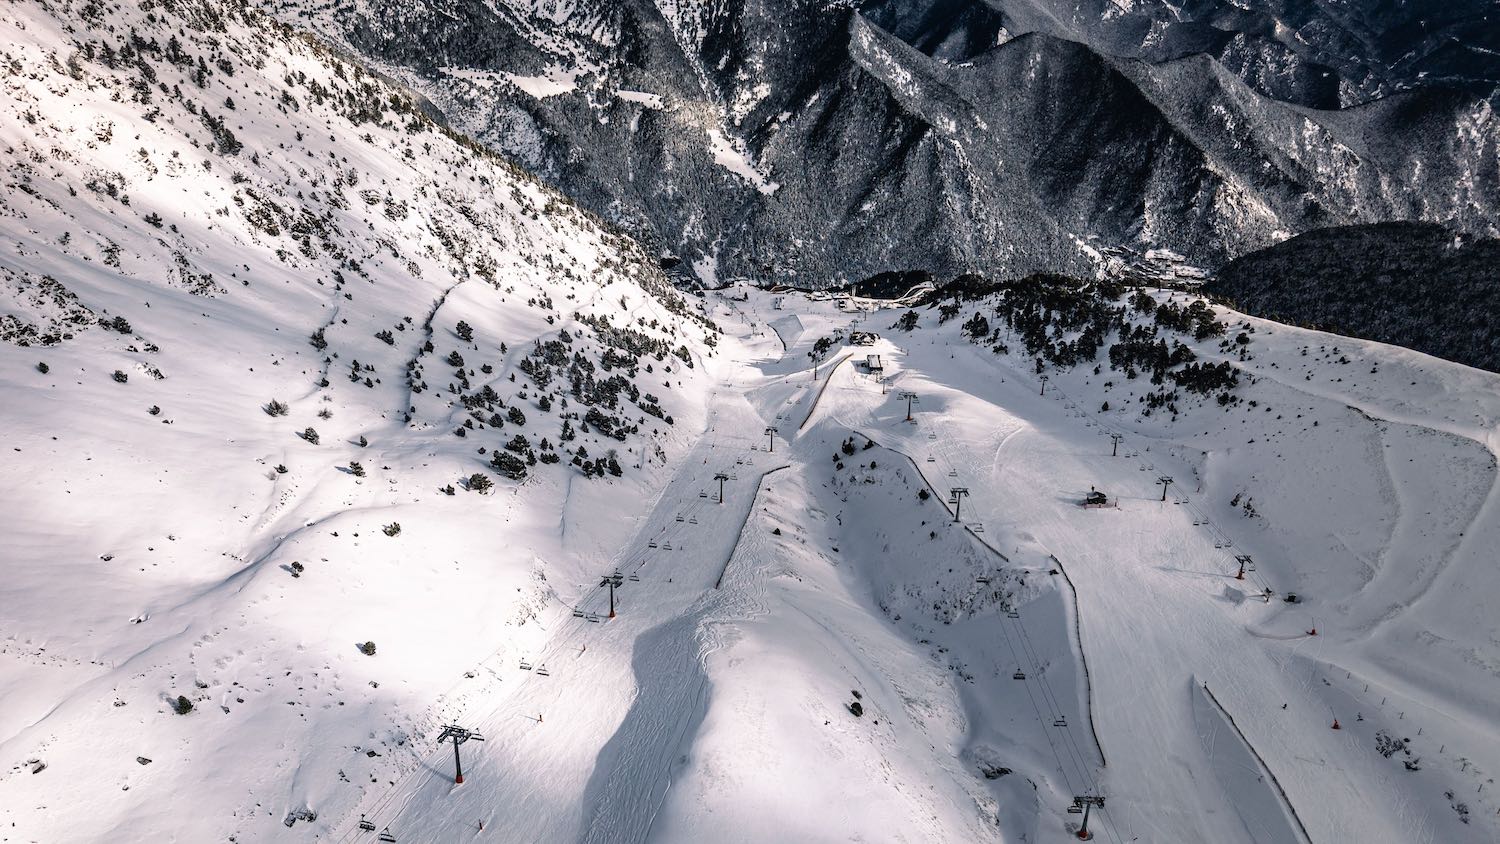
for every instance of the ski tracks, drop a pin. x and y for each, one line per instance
(634, 769)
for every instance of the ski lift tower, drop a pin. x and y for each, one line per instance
(1083, 804)
(771, 432)
(459, 735)
(1165, 481)
(957, 500)
(911, 398)
(1246, 564)
(612, 580)
(721, 478)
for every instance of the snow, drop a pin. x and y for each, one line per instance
(150, 555)
(646, 99)
(706, 269)
(728, 154)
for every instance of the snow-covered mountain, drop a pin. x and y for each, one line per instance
(822, 142)
(328, 427)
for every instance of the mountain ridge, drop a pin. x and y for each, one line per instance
(1078, 151)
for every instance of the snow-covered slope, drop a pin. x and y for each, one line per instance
(266, 328)
(1358, 476)
(267, 332)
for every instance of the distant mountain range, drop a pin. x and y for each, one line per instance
(815, 143)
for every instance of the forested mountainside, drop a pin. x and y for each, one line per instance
(1422, 286)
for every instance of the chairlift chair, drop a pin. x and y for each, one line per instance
(1075, 810)
(679, 518)
(592, 617)
(635, 577)
(666, 546)
(366, 825)
(693, 520)
(387, 836)
(1012, 614)
(525, 666)
(577, 613)
(931, 459)
(652, 544)
(1019, 675)
(1060, 722)
(541, 671)
(977, 528)
(952, 473)
(702, 495)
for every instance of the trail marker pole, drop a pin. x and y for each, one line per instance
(771, 432)
(1116, 451)
(1165, 481)
(612, 580)
(1087, 802)
(910, 398)
(459, 735)
(721, 478)
(958, 493)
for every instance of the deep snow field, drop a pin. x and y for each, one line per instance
(833, 651)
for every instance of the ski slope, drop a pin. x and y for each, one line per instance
(263, 324)
(1152, 675)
